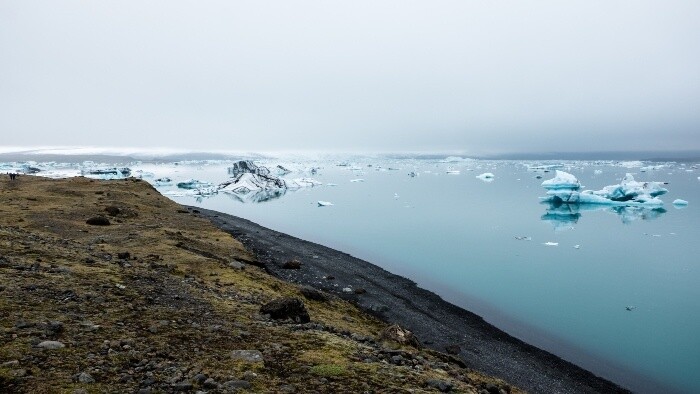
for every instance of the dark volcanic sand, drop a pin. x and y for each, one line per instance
(395, 299)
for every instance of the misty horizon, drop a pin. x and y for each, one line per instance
(483, 79)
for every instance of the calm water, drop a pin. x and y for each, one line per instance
(456, 235)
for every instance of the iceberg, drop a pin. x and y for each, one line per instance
(324, 203)
(251, 183)
(679, 202)
(562, 180)
(106, 173)
(564, 188)
(165, 181)
(487, 177)
(192, 184)
(247, 167)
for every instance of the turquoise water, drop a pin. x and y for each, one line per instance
(456, 235)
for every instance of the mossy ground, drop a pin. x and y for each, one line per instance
(173, 309)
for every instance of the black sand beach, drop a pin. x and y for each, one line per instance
(437, 323)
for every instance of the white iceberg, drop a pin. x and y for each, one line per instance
(487, 176)
(564, 188)
(324, 203)
(680, 202)
(165, 181)
(562, 180)
(193, 184)
(251, 183)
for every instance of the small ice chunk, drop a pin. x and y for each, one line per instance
(551, 244)
(120, 286)
(577, 246)
(486, 175)
(165, 181)
(453, 172)
(324, 203)
(396, 195)
(523, 238)
(630, 308)
(347, 290)
(680, 202)
(357, 180)
(331, 184)
(598, 172)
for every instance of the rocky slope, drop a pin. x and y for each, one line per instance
(150, 297)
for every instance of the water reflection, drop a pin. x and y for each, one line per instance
(564, 216)
(257, 197)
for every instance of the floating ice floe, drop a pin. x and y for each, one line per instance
(551, 244)
(523, 238)
(192, 184)
(299, 183)
(679, 202)
(106, 173)
(486, 177)
(165, 181)
(413, 174)
(357, 180)
(577, 246)
(564, 189)
(544, 167)
(452, 172)
(324, 203)
(331, 184)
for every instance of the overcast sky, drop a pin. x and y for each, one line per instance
(472, 76)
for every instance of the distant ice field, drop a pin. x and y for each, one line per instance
(615, 289)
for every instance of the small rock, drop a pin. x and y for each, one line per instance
(236, 384)
(252, 356)
(313, 294)
(112, 210)
(184, 386)
(235, 264)
(12, 363)
(286, 308)
(292, 265)
(249, 375)
(145, 390)
(453, 349)
(360, 290)
(210, 384)
(124, 256)
(399, 335)
(50, 345)
(54, 328)
(85, 377)
(441, 385)
(98, 221)
(200, 378)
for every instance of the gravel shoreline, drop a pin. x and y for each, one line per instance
(395, 299)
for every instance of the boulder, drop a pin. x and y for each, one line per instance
(313, 294)
(98, 221)
(292, 265)
(286, 308)
(399, 335)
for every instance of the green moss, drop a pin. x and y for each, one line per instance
(327, 370)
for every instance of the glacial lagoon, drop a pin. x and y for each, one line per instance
(613, 289)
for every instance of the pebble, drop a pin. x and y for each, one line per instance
(50, 345)
(252, 356)
(237, 384)
(85, 377)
